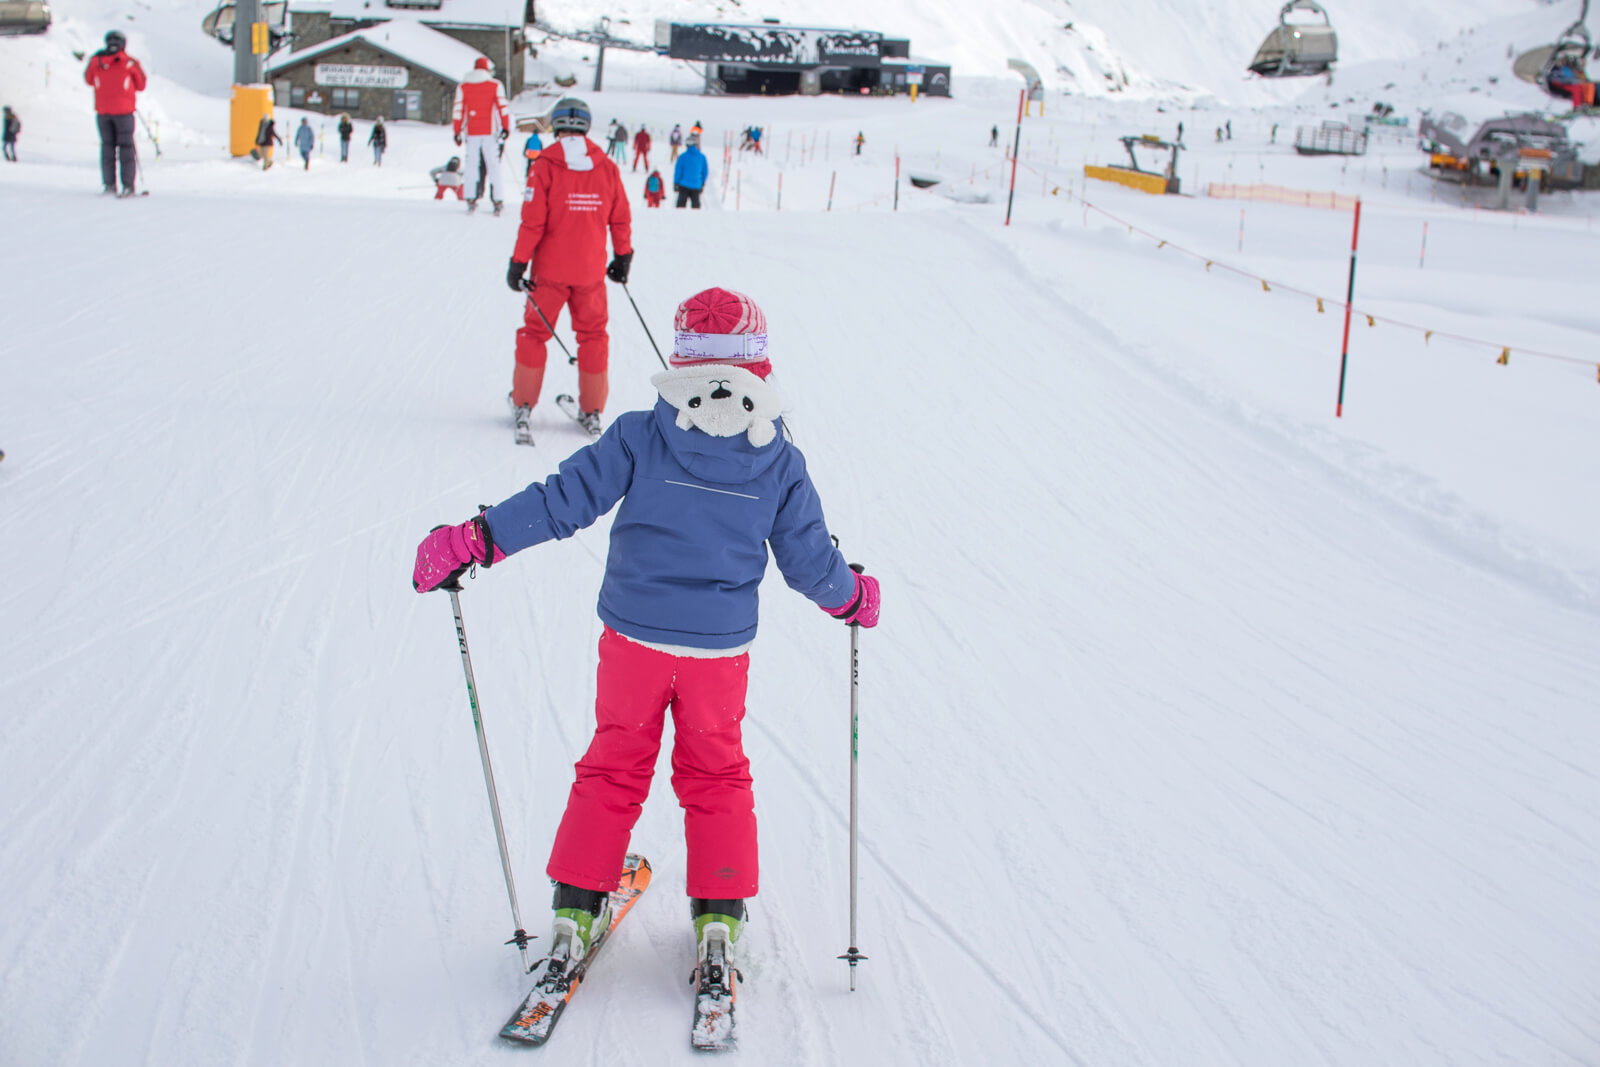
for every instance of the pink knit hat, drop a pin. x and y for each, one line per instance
(721, 326)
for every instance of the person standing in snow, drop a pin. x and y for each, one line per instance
(379, 140)
(861, 139)
(1180, 133)
(573, 198)
(641, 148)
(266, 137)
(10, 127)
(707, 486)
(305, 140)
(530, 151)
(117, 79)
(674, 143)
(619, 143)
(1228, 126)
(994, 136)
(654, 189)
(480, 122)
(689, 176)
(347, 130)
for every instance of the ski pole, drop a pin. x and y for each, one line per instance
(646, 325)
(520, 938)
(852, 954)
(539, 312)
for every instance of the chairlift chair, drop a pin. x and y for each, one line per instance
(219, 23)
(1294, 49)
(23, 16)
(1572, 49)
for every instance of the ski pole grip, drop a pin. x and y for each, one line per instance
(858, 568)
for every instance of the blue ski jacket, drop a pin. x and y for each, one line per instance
(692, 169)
(689, 544)
(305, 139)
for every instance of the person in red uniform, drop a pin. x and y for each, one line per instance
(641, 149)
(481, 123)
(574, 195)
(117, 79)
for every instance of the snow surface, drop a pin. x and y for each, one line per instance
(1201, 727)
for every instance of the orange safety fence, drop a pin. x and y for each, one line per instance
(1278, 194)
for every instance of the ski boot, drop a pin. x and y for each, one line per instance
(499, 206)
(717, 926)
(522, 419)
(590, 421)
(472, 205)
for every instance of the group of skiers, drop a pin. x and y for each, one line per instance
(305, 140)
(707, 486)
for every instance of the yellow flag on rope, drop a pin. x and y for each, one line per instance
(1265, 288)
(1427, 335)
(1319, 306)
(1370, 320)
(1505, 357)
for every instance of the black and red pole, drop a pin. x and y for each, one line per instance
(1349, 298)
(1016, 150)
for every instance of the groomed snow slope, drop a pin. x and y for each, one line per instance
(1188, 736)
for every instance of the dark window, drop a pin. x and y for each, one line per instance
(297, 97)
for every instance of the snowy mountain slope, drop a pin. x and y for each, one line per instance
(1138, 48)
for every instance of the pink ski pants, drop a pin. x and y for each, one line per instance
(710, 773)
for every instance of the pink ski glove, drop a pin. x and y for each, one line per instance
(862, 609)
(448, 551)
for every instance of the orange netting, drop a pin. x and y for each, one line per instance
(1278, 194)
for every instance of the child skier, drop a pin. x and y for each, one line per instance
(706, 485)
(447, 179)
(654, 189)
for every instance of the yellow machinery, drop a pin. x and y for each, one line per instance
(1135, 176)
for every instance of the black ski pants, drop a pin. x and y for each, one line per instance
(116, 144)
(688, 196)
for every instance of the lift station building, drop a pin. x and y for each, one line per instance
(776, 60)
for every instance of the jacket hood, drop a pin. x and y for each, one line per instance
(725, 460)
(559, 158)
(475, 75)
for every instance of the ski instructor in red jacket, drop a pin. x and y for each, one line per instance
(117, 78)
(573, 196)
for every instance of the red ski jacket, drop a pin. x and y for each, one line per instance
(116, 77)
(565, 215)
(480, 106)
(641, 141)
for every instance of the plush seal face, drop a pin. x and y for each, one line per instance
(721, 400)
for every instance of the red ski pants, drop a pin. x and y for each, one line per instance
(588, 306)
(440, 190)
(710, 773)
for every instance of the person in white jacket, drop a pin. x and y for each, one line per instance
(482, 124)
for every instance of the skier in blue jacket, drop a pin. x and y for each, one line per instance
(305, 139)
(689, 176)
(707, 486)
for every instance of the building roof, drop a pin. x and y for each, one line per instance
(409, 41)
(433, 12)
